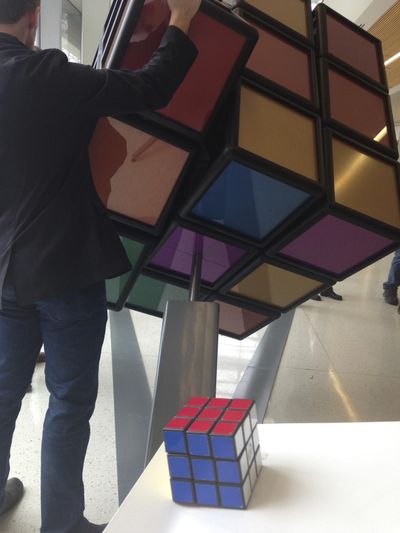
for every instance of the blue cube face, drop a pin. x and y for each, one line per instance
(229, 472)
(235, 497)
(179, 466)
(232, 497)
(182, 491)
(248, 202)
(223, 447)
(198, 445)
(175, 441)
(203, 470)
(206, 494)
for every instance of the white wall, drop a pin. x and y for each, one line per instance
(94, 14)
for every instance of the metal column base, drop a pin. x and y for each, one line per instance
(187, 362)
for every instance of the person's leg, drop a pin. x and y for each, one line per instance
(73, 328)
(390, 286)
(20, 342)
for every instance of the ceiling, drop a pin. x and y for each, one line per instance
(77, 4)
(387, 29)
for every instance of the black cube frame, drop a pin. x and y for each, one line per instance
(324, 67)
(121, 34)
(274, 250)
(233, 152)
(321, 13)
(279, 25)
(249, 74)
(257, 305)
(149, 244)
(186, 279)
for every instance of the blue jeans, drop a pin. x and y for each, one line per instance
(72, 330)
(394, 273)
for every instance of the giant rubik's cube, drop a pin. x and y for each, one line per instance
(214, 455)
(276, 158)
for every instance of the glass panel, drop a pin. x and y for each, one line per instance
(178, 251)
(71, 31)
(351, 47)
(335, 245)
(282, 62)
(359, 108)
(278, 133)
(273, 285)
(115, 286)
(365, 183)
(152, 294)
(248, 202)
(239, 321)
(219, 50)
(292, 13)
(134, 173)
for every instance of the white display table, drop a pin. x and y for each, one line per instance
(317, 478)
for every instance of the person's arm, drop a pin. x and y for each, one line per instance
(116, 92)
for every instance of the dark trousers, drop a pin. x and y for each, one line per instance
(72, 330)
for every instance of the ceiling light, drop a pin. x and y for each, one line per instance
(392, 59)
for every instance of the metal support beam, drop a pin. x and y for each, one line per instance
(187, 362)
(259, 377)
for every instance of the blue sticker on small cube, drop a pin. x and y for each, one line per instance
(206, 494)
(179, 466)
(182, 491)
(203, 470)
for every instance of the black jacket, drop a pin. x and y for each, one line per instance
(54, 232)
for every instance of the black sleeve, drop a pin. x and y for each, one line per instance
(98, 93)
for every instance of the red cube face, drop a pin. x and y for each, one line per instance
(210, 414)
(234, 416)
(188, 412)
(221, 403)
(220, 48)
(197, 401)
(180, 424)
(241, 404)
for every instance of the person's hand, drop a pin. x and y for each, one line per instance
(182, 12)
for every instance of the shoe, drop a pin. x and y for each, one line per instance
(88, 527)
(93, 528)
(317, 298)
(330, 293)
(390, 296)
(12, 495)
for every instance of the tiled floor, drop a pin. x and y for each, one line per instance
(342, 359)
(341, 363)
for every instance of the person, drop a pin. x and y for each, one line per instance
(393, 282)
(57, 245)
(328, 293)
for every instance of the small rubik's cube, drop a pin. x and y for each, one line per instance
(214, 453)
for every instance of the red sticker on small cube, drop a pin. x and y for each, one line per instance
(198, 401)
(241, 404)
(178, 423)
(234, 416)
(201, 426)
(219, 402)
(227, 429)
